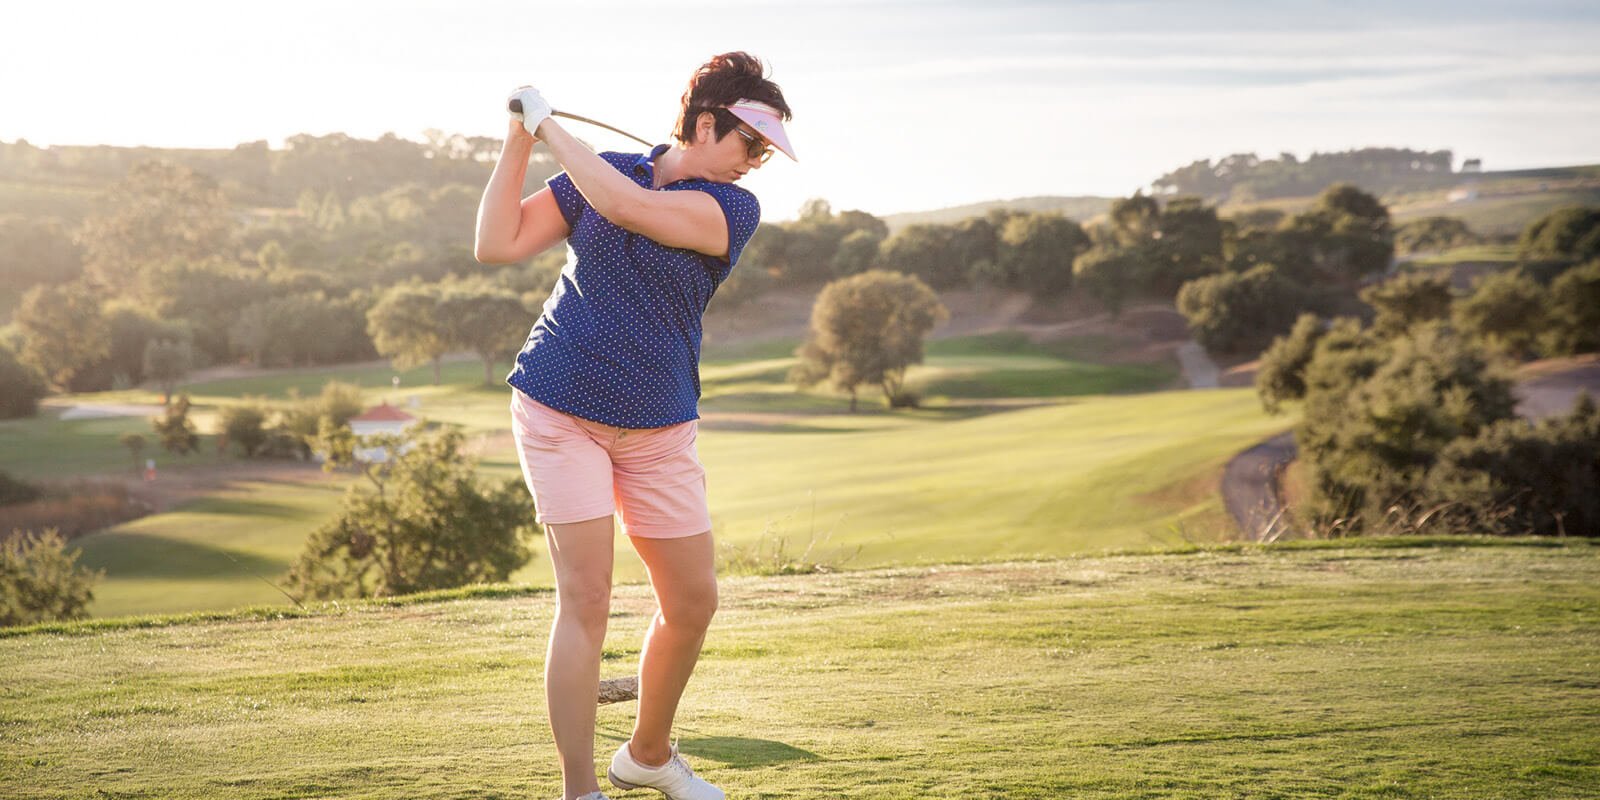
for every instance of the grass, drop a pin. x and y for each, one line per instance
(1075, 472)
(1495, 253)
(1430, 668)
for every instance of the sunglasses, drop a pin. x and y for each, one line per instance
(755, 146)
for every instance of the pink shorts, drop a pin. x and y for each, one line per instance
(579, 469)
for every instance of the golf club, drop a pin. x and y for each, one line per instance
(516, 108)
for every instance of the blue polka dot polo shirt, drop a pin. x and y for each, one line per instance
(618, 341)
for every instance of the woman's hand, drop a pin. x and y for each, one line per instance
(535, 109)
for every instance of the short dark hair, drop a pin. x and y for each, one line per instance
(723, 81)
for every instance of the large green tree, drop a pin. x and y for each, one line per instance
(488, 321)
(63, 331)
(406, 327)
(159, 212)
(868, 329)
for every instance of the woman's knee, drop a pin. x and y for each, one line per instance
(587, 602)
(690, 607)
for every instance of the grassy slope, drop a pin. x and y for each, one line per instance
(1327, 670)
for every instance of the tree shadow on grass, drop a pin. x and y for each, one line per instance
(870, 419)
(140, 555)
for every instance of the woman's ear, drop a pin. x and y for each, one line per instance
(705, 128)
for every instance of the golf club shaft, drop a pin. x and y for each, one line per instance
(516, 106)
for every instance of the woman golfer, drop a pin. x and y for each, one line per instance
(607, 385)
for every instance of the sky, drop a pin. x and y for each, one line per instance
(899, 106)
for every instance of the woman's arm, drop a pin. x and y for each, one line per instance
(510, 228)
(691, 220)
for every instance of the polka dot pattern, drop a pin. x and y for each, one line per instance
(618, 341)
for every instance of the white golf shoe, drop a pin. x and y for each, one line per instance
(675, 778)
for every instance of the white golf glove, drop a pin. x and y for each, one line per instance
(535, 109)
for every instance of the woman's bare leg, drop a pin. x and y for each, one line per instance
(683, 574)
(582, 555)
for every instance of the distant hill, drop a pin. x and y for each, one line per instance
(1080, 208)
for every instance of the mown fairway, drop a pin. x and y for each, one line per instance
(1000, 471)
(1383, 669)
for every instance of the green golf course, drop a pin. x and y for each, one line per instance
(1019, 450)
(1442, 668)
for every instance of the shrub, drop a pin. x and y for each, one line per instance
(1574, 312)
(424, 523)
(1281, 375)
(1407, 301)
(1566, 234)
(21, 386)
(1370, 440)
(174, 428)
(1520, 478)
(1506, 311)
(39, 581)
(13, 490)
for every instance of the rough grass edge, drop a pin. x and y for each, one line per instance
(505, 590)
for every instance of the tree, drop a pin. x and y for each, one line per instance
(1135, 220)
(135, 444)
(422, 522)
(1566, 234)
(41, 582)
(488, 321)
(868, 329)
(167, 361)
(35, 250)
(1574, 312)
(405, 327)
(174, 428)
(858, 252)
(1240, 312)
(1347, 234)
(1506, 310)
(1035, 253)
(21, 386)
(1407, 301)
(1108, 274)
(63, 331)
(1281, 376)
(245, 424)
(159, 212)
(1188, 246)
(927, 252)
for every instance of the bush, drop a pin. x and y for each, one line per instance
(21, 386)
(1566, 234)
(1506, 311)
(1574, 312)
(1377, 416)
(13, 490)
(1281, 375)
(39, 581)
(1520, 478)
(1407, 301)
(425, 523)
